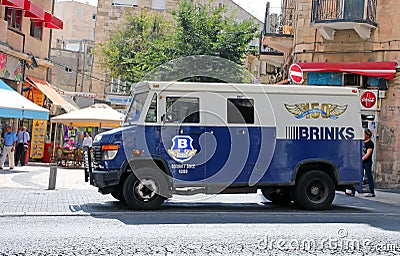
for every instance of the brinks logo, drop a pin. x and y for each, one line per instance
(319, 133)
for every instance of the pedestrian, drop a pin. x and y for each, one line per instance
(87, 141)
(368, 150)
(10, 140)
(22, 146)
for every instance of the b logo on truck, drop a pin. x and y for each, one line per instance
(316, 110)
(182, 149)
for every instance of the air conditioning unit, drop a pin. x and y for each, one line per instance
(382, 94)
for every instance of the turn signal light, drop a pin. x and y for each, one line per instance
(137, 152)
(109, 147)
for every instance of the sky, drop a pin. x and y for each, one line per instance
(255, 7)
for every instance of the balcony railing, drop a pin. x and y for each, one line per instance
(360, 11)
(281, 24)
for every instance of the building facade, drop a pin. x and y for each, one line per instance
(72, 48)
(347, 43)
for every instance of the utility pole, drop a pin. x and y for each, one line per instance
(77, 66)
(84, 62)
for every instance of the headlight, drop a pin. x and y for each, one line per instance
(109, 151)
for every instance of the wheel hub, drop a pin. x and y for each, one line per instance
(146, 189)
(314, 191)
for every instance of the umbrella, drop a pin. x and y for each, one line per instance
(98, 115)
(14, 105)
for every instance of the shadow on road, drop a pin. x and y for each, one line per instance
(239, 213)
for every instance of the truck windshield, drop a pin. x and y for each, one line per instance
(136, 107)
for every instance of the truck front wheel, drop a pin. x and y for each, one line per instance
(314, 190)
(145, 189)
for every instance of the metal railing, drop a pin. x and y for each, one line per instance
(344, 10)
(281, 24)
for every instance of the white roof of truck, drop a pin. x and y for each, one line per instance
(245, 88)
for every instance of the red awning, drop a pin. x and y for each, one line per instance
(52, 21)
(17, 4)
(385, 70)
(33, 11)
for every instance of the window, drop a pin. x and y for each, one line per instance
(240, 111)
(93, 16)
(68, 70)
(182, 110)
(13, 18)
(136, 107)
(159, 4)
(36, 29)
(151, 116)
(352, 79)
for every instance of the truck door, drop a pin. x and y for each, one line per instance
(181, 133)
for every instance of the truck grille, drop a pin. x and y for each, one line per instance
(96, 155)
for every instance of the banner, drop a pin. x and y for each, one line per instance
(38, 138)
(10, 67)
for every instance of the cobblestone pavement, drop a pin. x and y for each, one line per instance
(23, 191)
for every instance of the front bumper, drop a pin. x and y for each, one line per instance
(104, 179)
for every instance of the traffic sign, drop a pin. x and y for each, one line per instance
(368, 99)
(296, 74)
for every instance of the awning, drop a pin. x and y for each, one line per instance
(52, 21)
(17, 4)
(98, 115)
(385, 70)
(14, 105)
(33, 11)
(50, 93)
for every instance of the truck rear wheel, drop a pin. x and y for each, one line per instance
(314, 190)
(144, 189)
(277, 197)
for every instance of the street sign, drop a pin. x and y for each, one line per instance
(368, 99)
(296, 74)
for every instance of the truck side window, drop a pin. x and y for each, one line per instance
(240, 111)
(151, 116)
(182, 110)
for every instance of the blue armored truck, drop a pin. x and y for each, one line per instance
(294, 143)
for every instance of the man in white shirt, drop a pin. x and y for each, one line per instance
(87, 141)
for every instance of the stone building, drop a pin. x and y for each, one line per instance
(72, 50)
(110, 14)
(348, 43)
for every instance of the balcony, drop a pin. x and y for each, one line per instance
(332, 15)
(277, 35)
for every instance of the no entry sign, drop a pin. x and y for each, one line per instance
(296, 74)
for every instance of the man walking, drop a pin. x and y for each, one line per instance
(10, 139)
(22, 146)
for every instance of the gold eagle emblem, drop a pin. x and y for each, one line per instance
(331, 111)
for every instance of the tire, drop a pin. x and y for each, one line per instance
(119, 196)
(282, 197)
(145, 189)
(314, 190)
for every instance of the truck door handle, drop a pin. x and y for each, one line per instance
(195, 133)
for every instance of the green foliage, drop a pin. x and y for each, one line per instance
(147, 40)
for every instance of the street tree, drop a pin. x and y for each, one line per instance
(148, 40)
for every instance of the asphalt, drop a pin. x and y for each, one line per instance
(24, 192)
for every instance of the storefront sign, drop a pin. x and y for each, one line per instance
(35, 95)
(38, 138)
(10, 67)
(369, 99)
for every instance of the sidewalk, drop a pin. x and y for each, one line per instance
(23, 191)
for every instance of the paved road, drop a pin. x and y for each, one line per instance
(76, 220)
